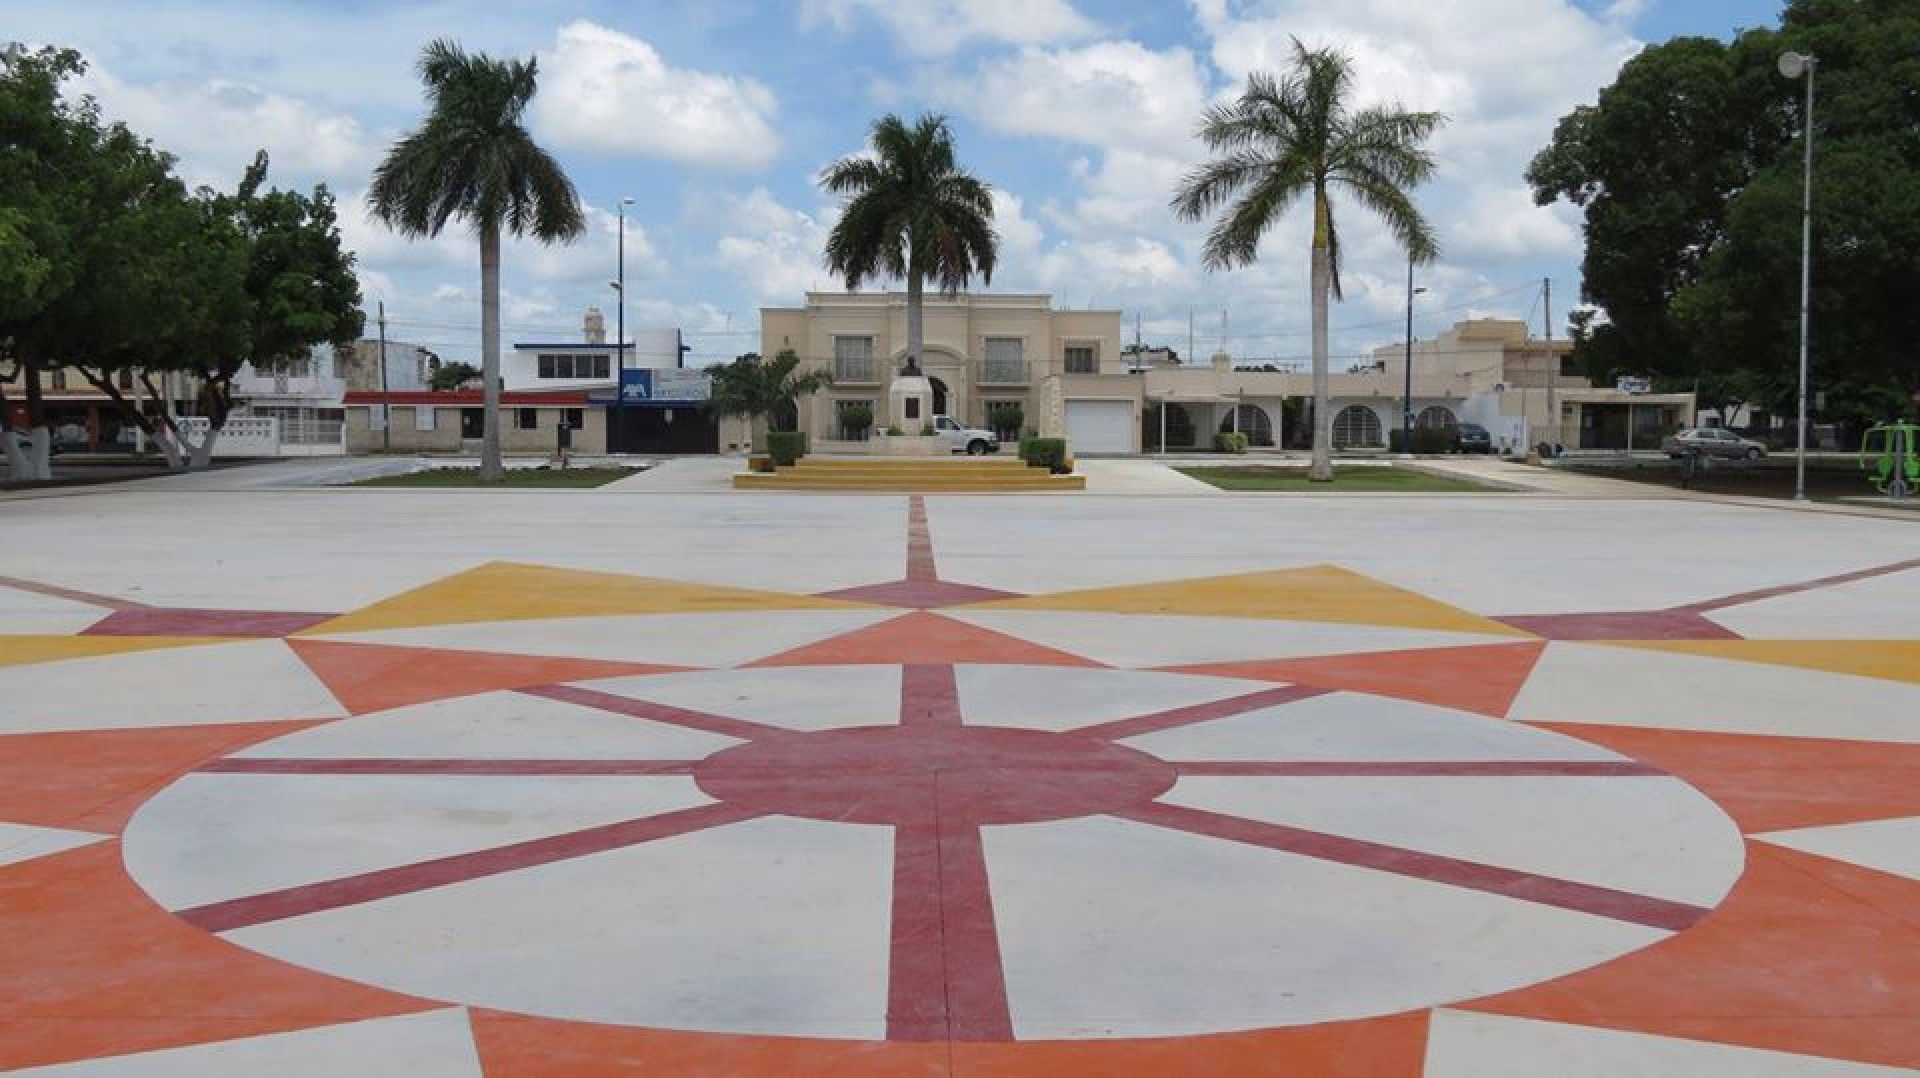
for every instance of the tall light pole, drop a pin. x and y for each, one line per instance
(1406, 389)
(1793, 65)
(620, 332)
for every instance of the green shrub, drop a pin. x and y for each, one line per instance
(1229, 441)
(1425, 440)
(894, 431)
(786, 447)
(857, 418)
(926, 430)
(1048, 453)
(1006, 420)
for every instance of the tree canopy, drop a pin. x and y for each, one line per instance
(1688, 171)
(114, 267)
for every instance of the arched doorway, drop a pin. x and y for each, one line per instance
(1356, 425)
(939, 397)
(1436, 417)
(1253, 422)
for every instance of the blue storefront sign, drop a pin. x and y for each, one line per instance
(665, 388)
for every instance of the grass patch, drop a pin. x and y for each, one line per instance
(516, 478)
(1361, 480)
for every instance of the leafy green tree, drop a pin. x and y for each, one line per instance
(103, 217)
(452, 375)
(474, 159)
(1294, 136)
(1688, 171)
(766, 390)
(911, 213)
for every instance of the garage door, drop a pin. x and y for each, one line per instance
(1100, 426)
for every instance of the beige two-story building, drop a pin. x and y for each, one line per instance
(983, 353)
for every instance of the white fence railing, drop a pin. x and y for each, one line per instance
(269, 436)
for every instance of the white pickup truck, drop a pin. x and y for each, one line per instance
(973, 441)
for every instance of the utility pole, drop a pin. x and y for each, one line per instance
(386, 404)
(1553, 368)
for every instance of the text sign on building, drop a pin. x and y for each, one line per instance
(669, 386)
(1629, 384)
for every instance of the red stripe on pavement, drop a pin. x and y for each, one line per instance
(1546, 890)
(1196, 713)
(458, 868)
(1415, 768)
(276, 765)
(646, 709)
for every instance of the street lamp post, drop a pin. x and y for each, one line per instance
(1406, 388)
(1793, 65)
(620, 327)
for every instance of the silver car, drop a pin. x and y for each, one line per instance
(1712, 442)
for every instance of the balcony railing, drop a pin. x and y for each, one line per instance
(1003, 372)
(855, 369)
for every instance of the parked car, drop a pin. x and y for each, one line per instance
(1712, 442)
(973, 441)
(1473, 438)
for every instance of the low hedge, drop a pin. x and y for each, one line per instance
(1229, 441)
(786, 447)
(1048, 453)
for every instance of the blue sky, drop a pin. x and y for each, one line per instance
(716, 117)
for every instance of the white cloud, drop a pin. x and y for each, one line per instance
(609, 92)
(938, 27)
(216, 126)
(1112, 93)
(775, 250)
(1502, 221)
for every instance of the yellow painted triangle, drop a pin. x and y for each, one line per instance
(507, 591)
(1314, 593)
(1893, 660)
(21, 650)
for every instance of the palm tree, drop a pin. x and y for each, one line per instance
(1290, 136)
(763, 388)
(911, 213)
(473, 159)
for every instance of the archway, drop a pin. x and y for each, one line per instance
(1356, 425)
(1436, 416)
(939, 397)
(1253, 422)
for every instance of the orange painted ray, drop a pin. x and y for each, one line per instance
(1389, 1047)
(1806, 955)
(92, 780)
(518, 1046)
(1483, 678)
(923, 637)
(1775, 783)
(375, 677)
(94, 968)
(515, 1045)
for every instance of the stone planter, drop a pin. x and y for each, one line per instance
(908, 445)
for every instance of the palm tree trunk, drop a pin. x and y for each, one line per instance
(1321, 470)
(490, 467)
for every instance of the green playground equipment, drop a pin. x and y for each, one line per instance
(1890, 455)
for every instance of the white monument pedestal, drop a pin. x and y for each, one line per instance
(911, 402)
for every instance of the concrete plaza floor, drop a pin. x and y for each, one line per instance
(668, 780)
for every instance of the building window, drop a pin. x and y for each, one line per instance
(423, 418)
(549, 364)
(526, 418)
(853, 359)
(1436, 417)
(1179, 426)
(125, 379)
(1082, 359)
(1006, 417)
(1252, 421)
(1356, 425)
(1005, 360)
(576, 418)
(58, 379)
(848, 432)
(598, 365)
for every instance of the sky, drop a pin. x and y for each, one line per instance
(716, 118)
